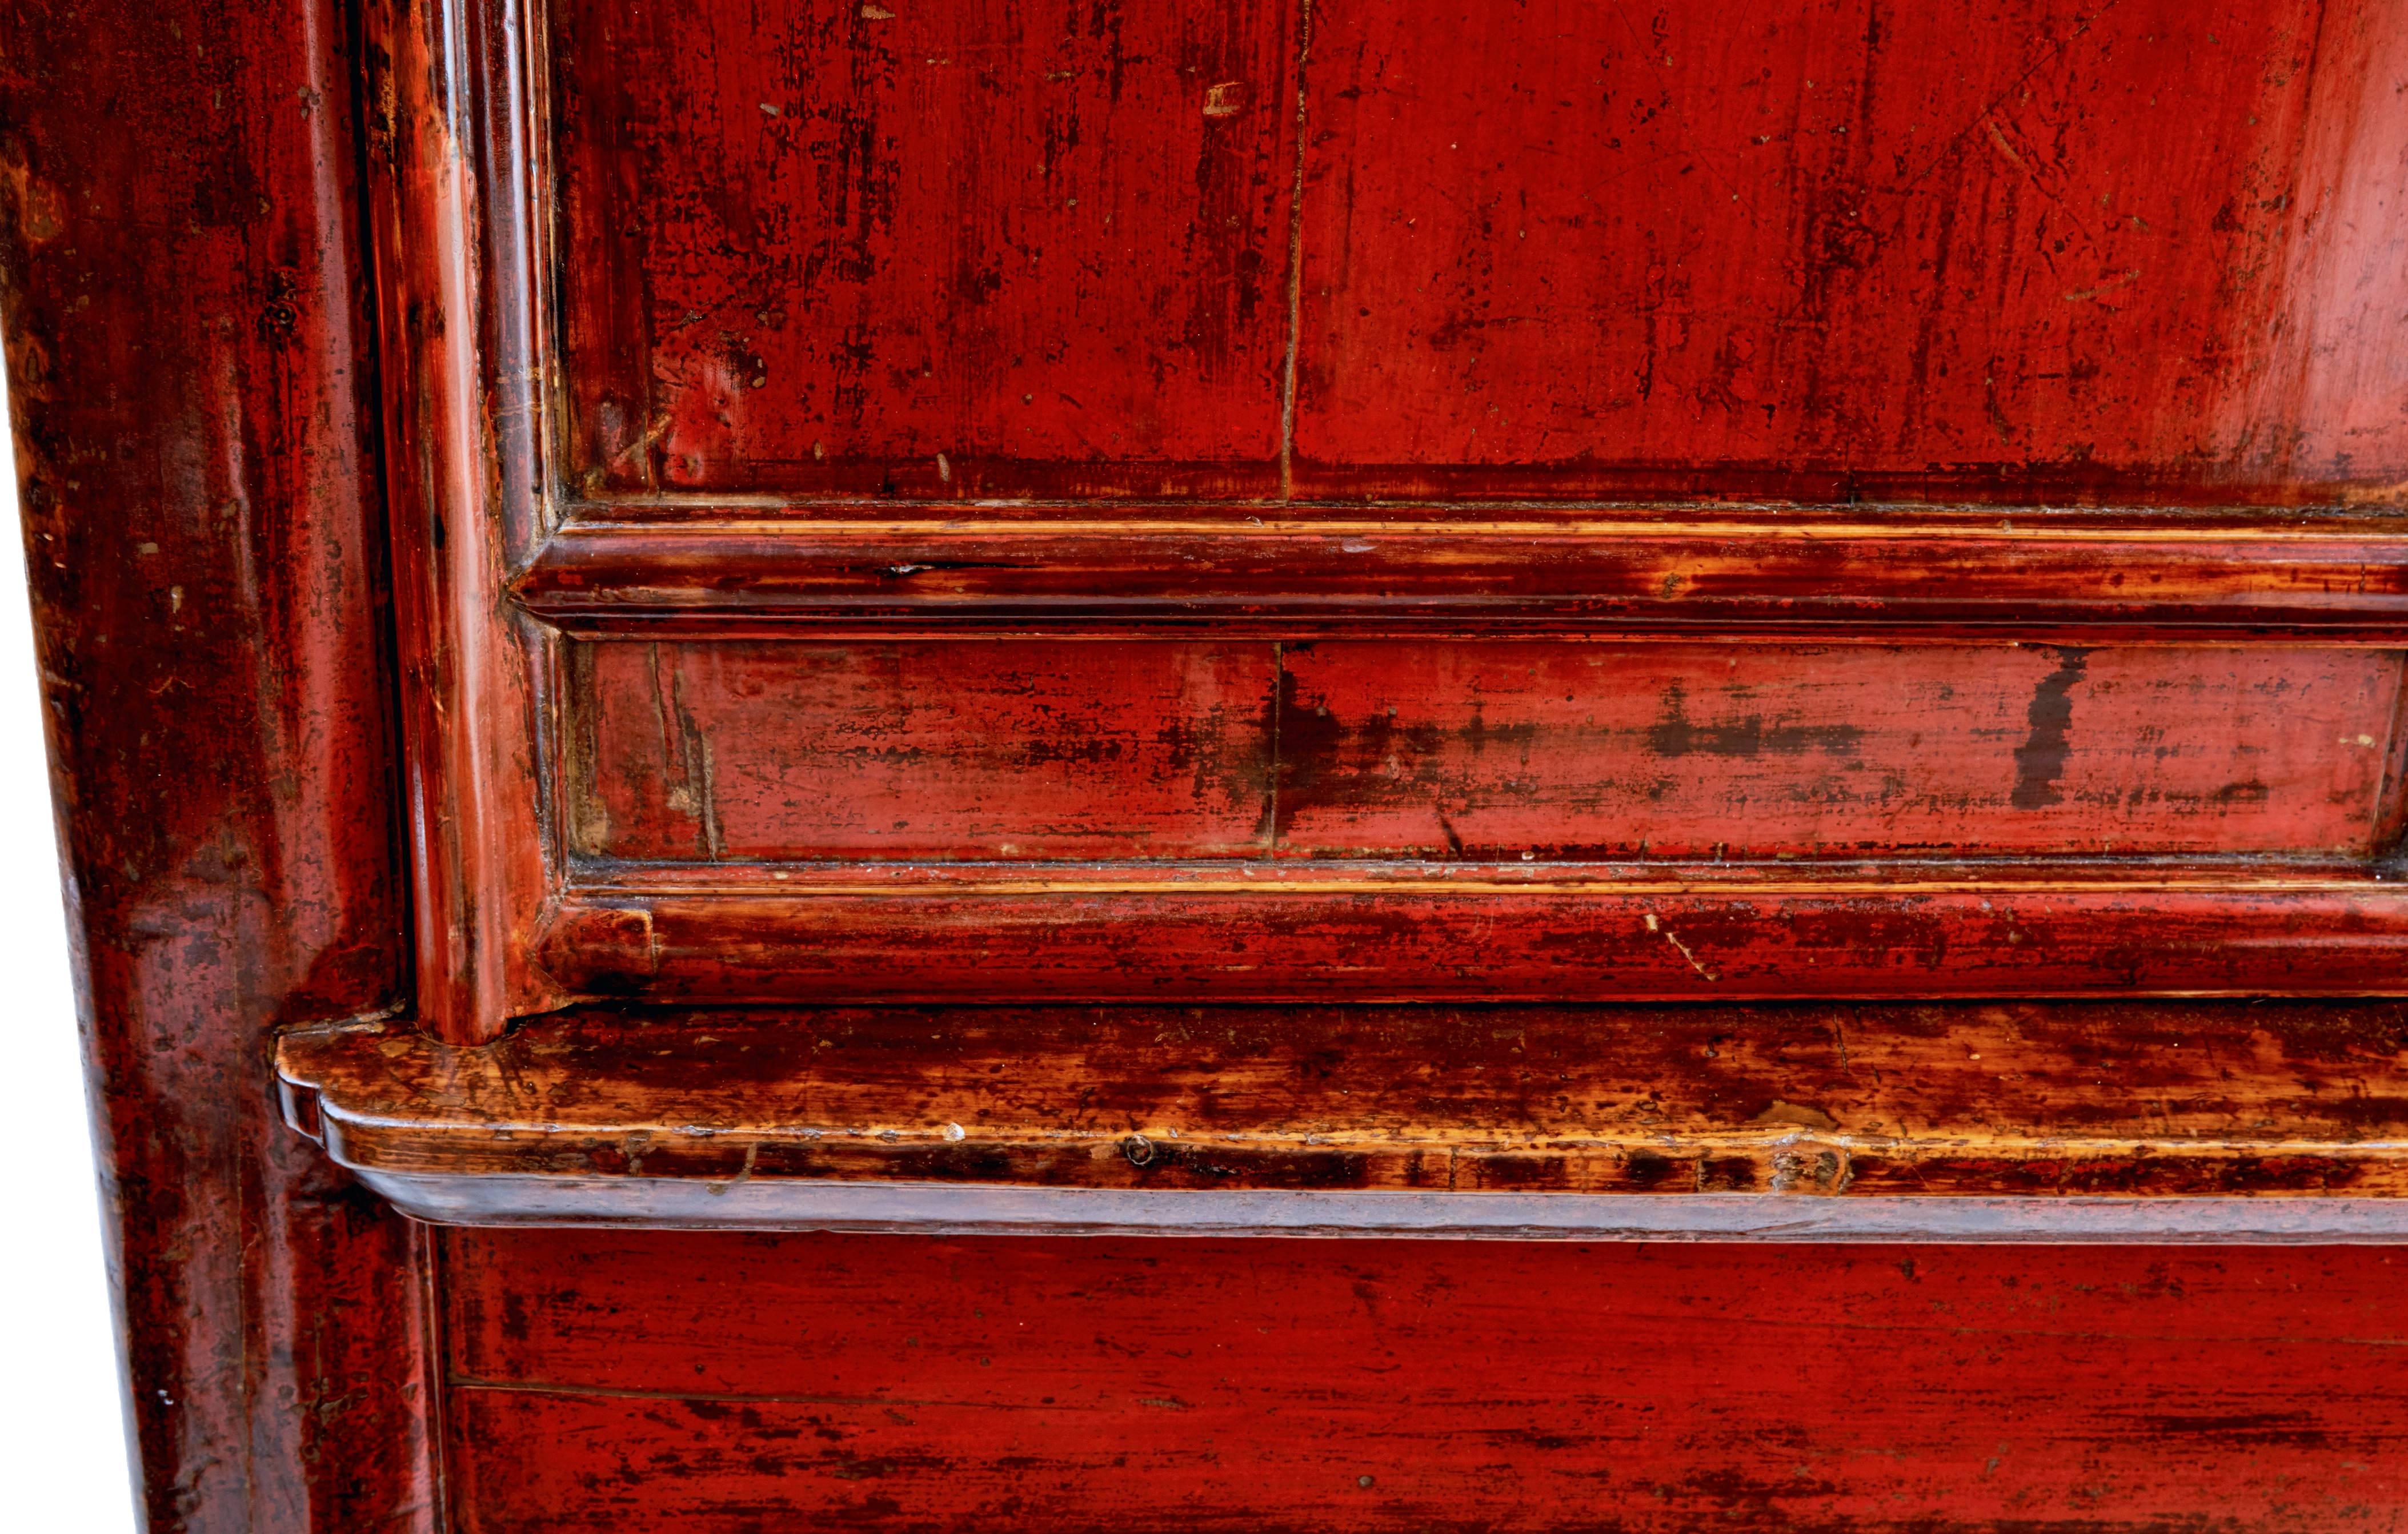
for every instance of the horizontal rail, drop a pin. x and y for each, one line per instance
(2340, 576)
(1374, 939)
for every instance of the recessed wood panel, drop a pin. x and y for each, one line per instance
(2045, 246)
(1031, 749)
(946, 248)
(974, 748)
(728, 1384)
(1736, 751)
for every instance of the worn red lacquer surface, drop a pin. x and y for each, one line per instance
(1113, 749)
(495, 484)
(2046, 244)
(851, 248)
(728, 1383)
(2035, 249)
(181, 272)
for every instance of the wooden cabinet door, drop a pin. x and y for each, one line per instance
(1231, 502)
(844, 694)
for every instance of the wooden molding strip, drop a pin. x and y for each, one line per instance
(453, 297)
(1388, 939)
(2019, 1120)
(2344, 577)
(941, 1208)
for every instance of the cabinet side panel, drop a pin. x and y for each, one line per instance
(182, 283)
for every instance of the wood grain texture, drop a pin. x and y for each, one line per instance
(948, 250)
(733, 1382)
(1031, 749)
(257, 777)
(2044, 250)
(994, 750)
(2045, 245)
(1567, 751)
(1633, 567)
(1641, 569)
(1824, 1099)
(454, 294)
(184, 288)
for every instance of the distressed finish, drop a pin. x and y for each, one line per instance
(584, 550)
(983, 749)
(963, 249)
(1447, 931)
(1854, 1102)
(997, 819)
(763, 294)
(454, 298)
(2041, 249)
(1299, 1385)
(182, 278)
(1753, 751)
(1482, 749)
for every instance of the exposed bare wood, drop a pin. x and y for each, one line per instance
(1827, 1100)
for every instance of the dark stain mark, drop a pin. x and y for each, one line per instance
(279, 319)
(956, 1164)
(1645, 1168)
(1744, 1501)
(2297, 1429)
(1793, 1171)
(2039, 761)
(1536, 1173)
(1327, 762)
(1674, 735)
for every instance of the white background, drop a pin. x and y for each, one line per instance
(63, 1464)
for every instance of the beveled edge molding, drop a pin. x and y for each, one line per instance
(2027, 1120)
(937, 1209)
(1672, 570)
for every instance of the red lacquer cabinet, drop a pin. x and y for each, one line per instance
(1270, 764)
